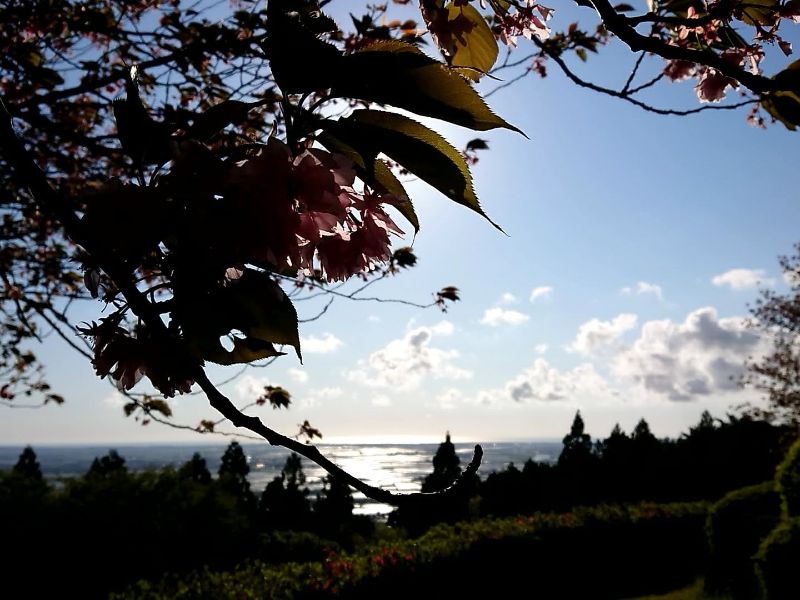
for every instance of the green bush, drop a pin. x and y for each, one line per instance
(778, 560)
(598, 553)
(735, 527)
(788, 479)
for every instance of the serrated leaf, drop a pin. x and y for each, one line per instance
(784, 107)
(420, 150)
(784, 104)
(789, 78)
(399, 74)
(376, 174)
(463, 36)
(254, 305)
(759, 12)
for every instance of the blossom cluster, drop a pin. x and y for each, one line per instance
(308, 213)
(525, 22)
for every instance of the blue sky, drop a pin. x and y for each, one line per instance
(635, 243)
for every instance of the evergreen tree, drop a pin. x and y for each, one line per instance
(28, 466)
(233, 472)
(577, 448)
(577, 466)
(445, 467)
(195, 469)
(284, 503)
(110, 464)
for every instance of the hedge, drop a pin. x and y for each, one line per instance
(600, 552)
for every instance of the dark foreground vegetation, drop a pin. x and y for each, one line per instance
(632, 514)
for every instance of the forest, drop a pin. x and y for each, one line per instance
(709, 497)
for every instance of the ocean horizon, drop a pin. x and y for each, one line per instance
(397, 467)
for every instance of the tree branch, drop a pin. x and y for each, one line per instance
(627, 95)
(620, 26)
(32, 177)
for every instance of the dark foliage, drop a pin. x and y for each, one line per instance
(715, 457)
(735, 527)
(777, 561)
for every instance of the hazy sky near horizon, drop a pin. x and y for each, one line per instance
(635, 243)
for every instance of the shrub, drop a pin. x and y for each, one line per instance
(777, 561)
(598, 553)
(788, 480)
(735, 527)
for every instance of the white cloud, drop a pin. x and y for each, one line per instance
(597, 335)
(541, 348)
(298, 375)
(792, 278)
(508, 298)
(702, 356)
(374, 319)
(403, 364)
(543, 383)
(642, 288)
(497, 316)
(324, 344)
(317, 396)
(742, 279)
(543, 292)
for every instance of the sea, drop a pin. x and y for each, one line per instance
(396, 467)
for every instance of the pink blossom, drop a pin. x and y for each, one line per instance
(525, 23)
(262, 199)
(712, 84)
(678, 70)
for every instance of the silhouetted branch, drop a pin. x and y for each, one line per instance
(30, 176)
(626, 96)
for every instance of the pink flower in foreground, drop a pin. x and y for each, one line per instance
(678, 70)
(712, 84)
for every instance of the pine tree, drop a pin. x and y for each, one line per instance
(445, 467)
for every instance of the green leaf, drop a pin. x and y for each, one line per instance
(399, 74)
(759, 12)
(789, 78)
(784, 104)
(581, 52)
(463, 36)
(419, 149)
(254, 305)
(375, 173)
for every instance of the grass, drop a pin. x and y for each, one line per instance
(693, 592)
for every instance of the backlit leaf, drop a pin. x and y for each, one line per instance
(254, 305)
(463, 36)
(374, 172)
(419, 149)
(399, 74)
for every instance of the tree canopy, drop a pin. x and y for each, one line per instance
(196, 175)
